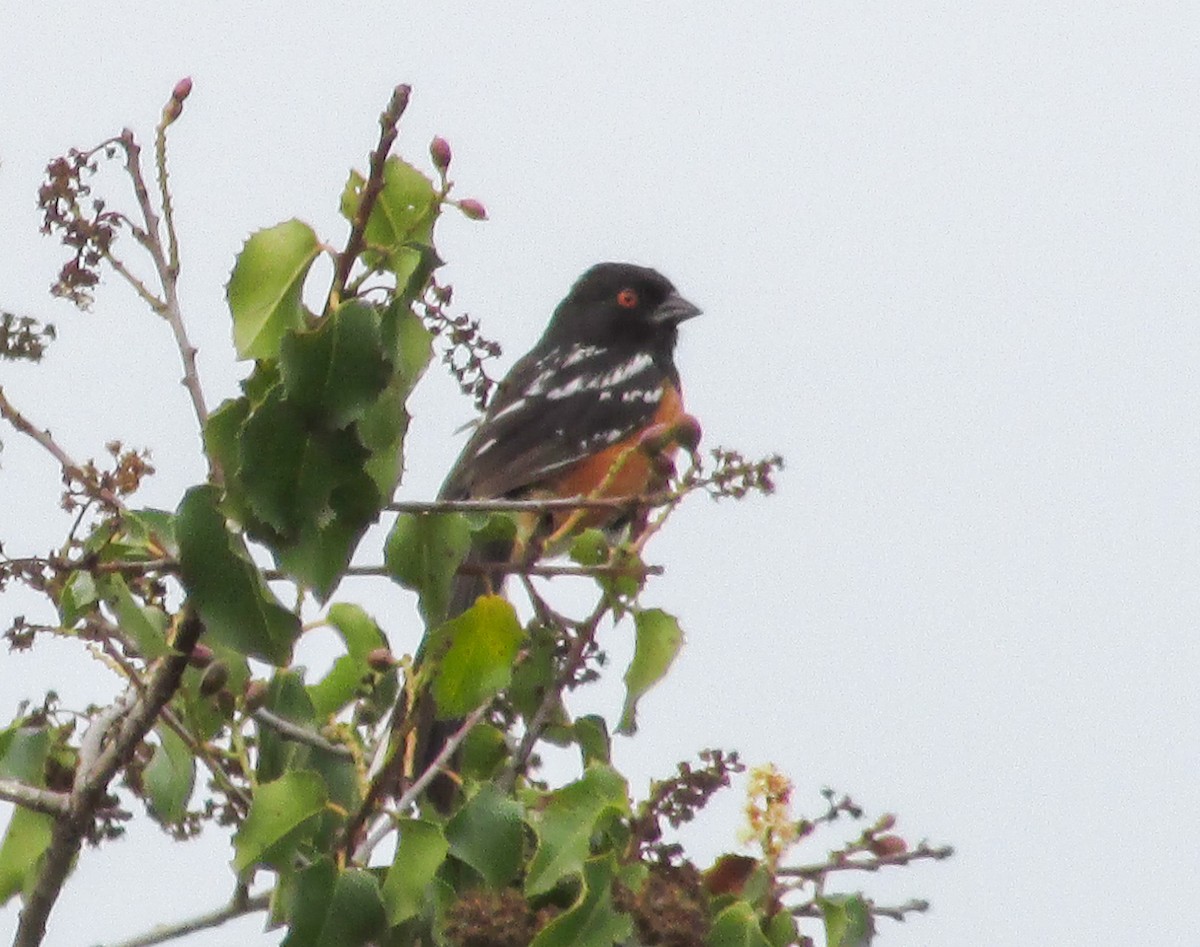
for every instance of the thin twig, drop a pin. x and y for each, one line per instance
(842, 862)
(299, 734)
(414, 791)
(239, 907)
(512, 568)
(164, 191)
(585, 634)
(32, 797)
(168, 278)
(534, 506)
(389, 122)
(92, 786)
(70, 469)
(198, 748)
(362, 851)
(895, 912)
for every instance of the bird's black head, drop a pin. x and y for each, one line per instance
(619, 303)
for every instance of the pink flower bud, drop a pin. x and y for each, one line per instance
(439, 151)
(183, 88)
(214, 679)
(472, 209)
(201, 656)
(380, 659)
(255, 694)
(888, 845)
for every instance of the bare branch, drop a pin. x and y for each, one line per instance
(70, 469)
(536, 506)
(299, 734)
(389, 122)
(585, 634)
(31, 797)
(414, 791)
(239, 907)
(91, 785)
(844, 862)
(896, 912)
(168, 273)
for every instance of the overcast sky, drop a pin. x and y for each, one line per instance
(947, 257)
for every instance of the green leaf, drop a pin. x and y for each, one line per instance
(848, 921)
(237, 608)
(23, 754)
(384, 424)
(590, 548)
(591, 733)
(737, 926)
(482, 645)
(287, 697)
(400, 228)
(566, 824)
(221, 442)
(78, 596)
(592, 921)
(419, 855)
(782, 930)
(289, 469)
(487, 833)
(423, 553)
(282, 814)
(144, 624)
(408, 343)
(264, 289)
(319, 555)
(170, 776)
(659, 639)
(341, 685)
(334, 908)
(25, 841)
(151, 531)
(336, 371)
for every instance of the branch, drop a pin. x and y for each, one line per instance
(841, 862)
(389, 122)
(414, 791)
(168, 271)
(201, 922)
(537, 506)
(896, 912)
(363, 851)
(92, 785)
(585, 634)
(70, 469)
(299, 734)
(31, 797)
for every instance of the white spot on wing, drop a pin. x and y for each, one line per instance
(580, 353)
(574, 386)
(509, 409)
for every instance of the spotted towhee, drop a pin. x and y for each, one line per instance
(561, 423)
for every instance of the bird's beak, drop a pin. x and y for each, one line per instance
(673, 310)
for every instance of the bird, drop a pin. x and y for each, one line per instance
(560, 425)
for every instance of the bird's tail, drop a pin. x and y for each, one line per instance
(430, 734)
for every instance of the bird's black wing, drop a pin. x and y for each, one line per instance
(554, 408)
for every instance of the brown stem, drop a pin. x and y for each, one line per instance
(239, 907)
(70, 469)
(168, 275)
(389, 122)
(91, 785)
(33, 797)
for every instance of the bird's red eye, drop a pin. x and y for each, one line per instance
(627, 298)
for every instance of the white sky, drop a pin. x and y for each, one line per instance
(946, 253)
